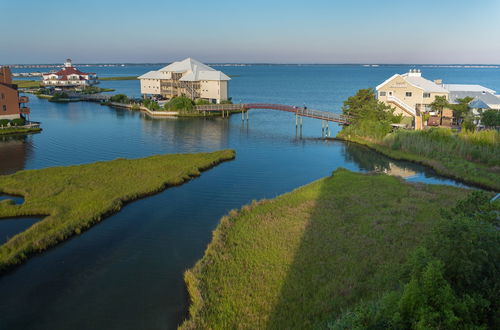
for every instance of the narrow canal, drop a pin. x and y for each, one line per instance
(126, 272)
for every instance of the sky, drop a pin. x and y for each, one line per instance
(251, 31)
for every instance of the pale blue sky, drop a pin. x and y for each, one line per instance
(315, 31)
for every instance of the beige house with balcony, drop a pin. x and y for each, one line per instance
(411, 95)
(188, 77)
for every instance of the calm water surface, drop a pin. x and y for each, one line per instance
(126, 272)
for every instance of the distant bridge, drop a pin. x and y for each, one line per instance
(298, 111)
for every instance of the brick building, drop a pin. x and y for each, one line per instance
(12, 105)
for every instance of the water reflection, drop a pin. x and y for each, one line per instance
(15, 199)
(190, 133)
(12, 226)
(14, 152)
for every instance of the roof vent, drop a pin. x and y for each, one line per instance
(414, 73)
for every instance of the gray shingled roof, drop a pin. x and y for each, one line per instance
(486, 97)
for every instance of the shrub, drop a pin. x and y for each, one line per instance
(119, 98)
(18, 122)
(490, 118)
(202, 102)
(150, 104)
(4, 122)
(180, 103)
(450, 282)
(228, 101)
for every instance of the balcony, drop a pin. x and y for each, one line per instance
(23, 99)
(24, 111)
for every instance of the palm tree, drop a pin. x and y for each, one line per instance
(440, 102)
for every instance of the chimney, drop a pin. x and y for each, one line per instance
(5, 75)
(438, 81)
(414, 73)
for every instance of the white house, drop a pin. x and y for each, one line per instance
(69, 76)
(188, 77)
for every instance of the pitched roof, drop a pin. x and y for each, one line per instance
(478, 104)
(417, 81)
(486, 97)
(67, 71)
(426, 85)
(156, 75)
(195, 70)
(467, 88)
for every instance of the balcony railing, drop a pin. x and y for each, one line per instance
(24, 110)
(23, 99)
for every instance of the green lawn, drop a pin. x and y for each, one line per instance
(298, 260)
(19, 130)
(74, 198)
(27, 83)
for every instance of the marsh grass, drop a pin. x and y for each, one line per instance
(472, 158)
(73, 198)
(294, 261)
(27, 83)
(479, 147)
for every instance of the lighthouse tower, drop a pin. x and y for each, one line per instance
(67, 63)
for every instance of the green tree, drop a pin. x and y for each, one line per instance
(428, 301)
(119, 98)
(468, 123)
(439, 104)
(369, 116)
(461, 109)
(180, 103)
(364, 105)
(491, 118)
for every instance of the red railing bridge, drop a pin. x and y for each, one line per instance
(299, 112)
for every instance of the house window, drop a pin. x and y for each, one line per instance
(427, 95)
(382, 94)
(408, 94)
(4, 108)
(3, 96)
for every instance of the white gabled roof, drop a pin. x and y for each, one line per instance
(188, 64)
(194, 71)
(387, 80)
(417, 81)
(467, 88)
(155, 75)
(204, 75)
(426, 85)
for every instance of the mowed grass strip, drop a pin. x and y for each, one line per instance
(74, 198)
(297, 261)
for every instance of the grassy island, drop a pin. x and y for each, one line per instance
(299, 260)
(19, 130)
(74, 198)
(469, 156)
